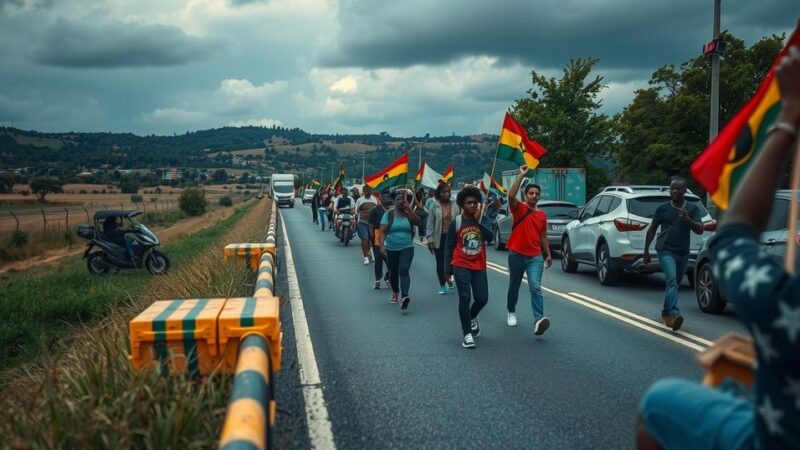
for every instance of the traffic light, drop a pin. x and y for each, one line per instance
(717, 46)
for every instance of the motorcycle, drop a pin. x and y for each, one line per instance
(345, 226)
(111, 255)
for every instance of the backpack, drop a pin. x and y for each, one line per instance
(391, 221)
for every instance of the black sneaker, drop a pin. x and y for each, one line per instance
(541, 326)
(377, 284)
(468, 341)
(404, 303)
(476, 329)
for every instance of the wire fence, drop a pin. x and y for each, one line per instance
(47, 220)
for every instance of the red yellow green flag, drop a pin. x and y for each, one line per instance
(448, 175)
(337, 185)
(722, 165)
(418, 176)
(516, 146)
(394, 174)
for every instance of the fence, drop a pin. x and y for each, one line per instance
(47, 220)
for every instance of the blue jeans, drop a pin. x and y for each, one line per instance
(518, 265)
(686, 415)
(674, 267)
(322, 214)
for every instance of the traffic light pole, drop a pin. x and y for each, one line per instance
(713, 126)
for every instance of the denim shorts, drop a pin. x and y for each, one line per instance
(362, 229)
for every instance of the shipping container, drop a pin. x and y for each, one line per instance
(563, 184)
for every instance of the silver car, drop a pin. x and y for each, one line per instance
(558, 216)
(308, 195)
(772, 241)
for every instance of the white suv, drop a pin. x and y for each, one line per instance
(609, 232)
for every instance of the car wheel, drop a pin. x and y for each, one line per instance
(568, 263)
(605, 272)
(498, 244)
(708, 297)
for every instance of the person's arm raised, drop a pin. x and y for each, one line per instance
(752, 202)
(512, 192)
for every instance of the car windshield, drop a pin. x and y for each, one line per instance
(284, 188)
(646, 206)
(558, 211)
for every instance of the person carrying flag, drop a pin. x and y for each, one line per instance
(529, 251)
(681, 414)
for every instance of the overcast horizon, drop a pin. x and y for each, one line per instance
(327, 67)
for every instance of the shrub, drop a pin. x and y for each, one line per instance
(239, 187)
(82, 191)
(103, 191)
(153, 199)
(225, 201)
(95, 191)
(136, 198)
(19, 238)
(246, 193)
(129, 188)
(193, 201)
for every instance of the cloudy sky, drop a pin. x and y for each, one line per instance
(408, 67)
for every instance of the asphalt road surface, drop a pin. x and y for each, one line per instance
(393, 380)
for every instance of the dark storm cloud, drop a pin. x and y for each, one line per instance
(622, 33)
(117, 44)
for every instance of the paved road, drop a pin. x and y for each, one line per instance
(404, 381)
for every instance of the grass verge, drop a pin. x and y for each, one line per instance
(85, 394)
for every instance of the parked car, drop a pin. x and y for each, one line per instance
(609, 232)
(308, 194)
(773, 242)
(558, 216)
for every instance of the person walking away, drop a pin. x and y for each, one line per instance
(375, 217)
(529, 251)
(676, 219)
(465, 259)
(440, 215)
(364, 206)
(683, 414)
(397, 244)
(322, 209)
(314, 203)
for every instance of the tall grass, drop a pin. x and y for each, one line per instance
(85, 394)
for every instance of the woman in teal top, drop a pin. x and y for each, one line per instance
(397, 244)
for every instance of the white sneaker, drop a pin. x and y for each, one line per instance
(468, 341)
(366, 260)
(512, 319)
(541, 326)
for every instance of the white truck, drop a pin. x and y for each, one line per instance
(282, 189)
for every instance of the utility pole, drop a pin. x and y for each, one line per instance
(713, 126)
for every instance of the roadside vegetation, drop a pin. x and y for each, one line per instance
(72, 385)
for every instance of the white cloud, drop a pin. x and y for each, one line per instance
(346, 85)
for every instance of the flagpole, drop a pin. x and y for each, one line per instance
(491, 177)
(791, 238)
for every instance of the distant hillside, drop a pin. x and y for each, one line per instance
(275, 149)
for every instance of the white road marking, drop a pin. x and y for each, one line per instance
(320, 429)
(609, 310)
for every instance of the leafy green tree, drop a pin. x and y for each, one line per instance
(41, 186)
(6, 182)
(561, 114)
(192, 201)
(666, 125)
(220, 176)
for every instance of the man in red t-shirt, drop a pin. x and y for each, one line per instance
(529, 251)
(465, 259)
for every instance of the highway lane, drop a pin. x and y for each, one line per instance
(394, 380)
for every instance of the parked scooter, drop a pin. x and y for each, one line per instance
(131, 247)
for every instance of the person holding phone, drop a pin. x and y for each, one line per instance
(397, 245)
(440, 214)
